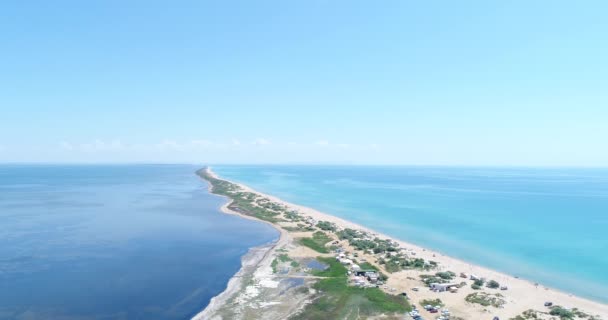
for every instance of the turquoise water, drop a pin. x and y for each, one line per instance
(115, 242)
(546, 225)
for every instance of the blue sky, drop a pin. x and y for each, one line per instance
(399, 82)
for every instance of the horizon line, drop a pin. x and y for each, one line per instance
(203, 164)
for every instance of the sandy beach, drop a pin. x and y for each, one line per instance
(521, 295)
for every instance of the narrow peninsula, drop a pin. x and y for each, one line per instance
(323, 267)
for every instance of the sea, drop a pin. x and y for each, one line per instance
(115, 242)
(547, 225)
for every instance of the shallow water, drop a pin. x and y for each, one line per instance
(115, 242)
(314, 264)
(547, 225)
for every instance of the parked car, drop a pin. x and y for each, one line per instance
(548, 304)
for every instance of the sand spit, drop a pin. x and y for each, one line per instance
(521, 295)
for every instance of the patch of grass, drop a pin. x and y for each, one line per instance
(486, 299)
(561, 312)
(528, 315)
(274, 265)
(338, 300)
(367, 266)
(432, 302)
(317, 242)
(335, 269)
(282, 258)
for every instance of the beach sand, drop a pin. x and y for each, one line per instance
(521, 295)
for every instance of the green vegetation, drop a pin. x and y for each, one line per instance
(528, 315)
(561, 312)
(338, 300)
(399, 262)
(493, 284)
(477, 284)
(431, 302)
(282, 258)
(293, 216)
(439, 277)
(317, 242)
(246, 206)
(348, 234)
(244, 202)
(335, 298)
(274, 265)
(327, 226)
(367, 266)
(300, 228)
(446, 275)
(486, 299)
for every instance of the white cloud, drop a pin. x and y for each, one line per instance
(201, 143)
(94, 146)
(168, 144)
(323, 143)
(261, 142)
(343, 145)
(66, 145)
(100, 145)
(236, 142)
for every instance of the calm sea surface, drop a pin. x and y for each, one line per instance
(115, 242)
(546, 225)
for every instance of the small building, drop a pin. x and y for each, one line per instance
(364, 273)
(441, 287)
(372, 277)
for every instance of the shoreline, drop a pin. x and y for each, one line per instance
(254, 257)
(527, 292)
(250, 260)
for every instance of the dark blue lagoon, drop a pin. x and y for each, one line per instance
(115, 242)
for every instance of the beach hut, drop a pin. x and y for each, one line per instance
(372, 277)
(441, 287)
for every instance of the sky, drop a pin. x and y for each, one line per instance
(515, 83)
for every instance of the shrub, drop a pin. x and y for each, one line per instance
(432, 302)
(561, 312)
(493, 284)
(325, 225)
